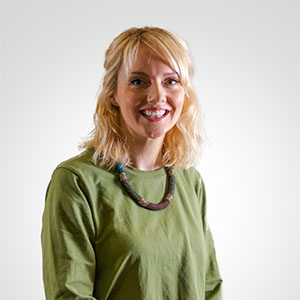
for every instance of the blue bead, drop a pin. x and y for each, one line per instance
(119, 167)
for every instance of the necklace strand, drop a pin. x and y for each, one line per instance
(141, 201)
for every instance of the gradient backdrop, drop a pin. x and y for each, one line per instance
(246, 56)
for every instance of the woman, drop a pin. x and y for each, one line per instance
(100, 238)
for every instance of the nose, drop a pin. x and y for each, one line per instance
(156, 93)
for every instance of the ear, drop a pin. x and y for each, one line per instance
(114, 101)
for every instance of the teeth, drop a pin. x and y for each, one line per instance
(151, 113)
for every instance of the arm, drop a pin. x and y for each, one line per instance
(67, 240)
(213, 283)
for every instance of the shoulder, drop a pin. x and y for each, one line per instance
(75, 163)
(78, 177)
(192, 175)
(81, 164)
(191, 179)
(82, 168)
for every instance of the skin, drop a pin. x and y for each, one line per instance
(151, 85)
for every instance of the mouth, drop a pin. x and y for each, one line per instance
(154, 115)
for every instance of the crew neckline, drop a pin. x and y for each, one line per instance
(132, 171)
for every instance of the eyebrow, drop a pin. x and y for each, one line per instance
(145, 74)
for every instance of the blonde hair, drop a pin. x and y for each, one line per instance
(181, 143)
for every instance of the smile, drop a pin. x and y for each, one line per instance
(154, 115)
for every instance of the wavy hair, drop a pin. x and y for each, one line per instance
(183, 142)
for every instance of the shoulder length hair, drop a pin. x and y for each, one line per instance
(182, 142)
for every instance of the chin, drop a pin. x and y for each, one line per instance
(156, 135)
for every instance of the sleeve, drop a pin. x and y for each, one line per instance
(67, 240)
(213, 280)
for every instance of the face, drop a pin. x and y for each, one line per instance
(150, 98)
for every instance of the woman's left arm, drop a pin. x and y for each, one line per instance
(213, 280)
(213, 283)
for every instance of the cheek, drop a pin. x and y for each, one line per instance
(131, 99)
(126, 102)
(178, 101)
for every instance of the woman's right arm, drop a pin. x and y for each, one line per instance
(68, 235)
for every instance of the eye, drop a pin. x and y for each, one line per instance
(136, 81)
(172, 81)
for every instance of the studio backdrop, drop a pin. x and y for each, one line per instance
(246, 58)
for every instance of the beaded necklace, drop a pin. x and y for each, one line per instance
(141, 201)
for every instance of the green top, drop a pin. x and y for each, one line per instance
(99, 244)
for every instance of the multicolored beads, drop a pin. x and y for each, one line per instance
(141, 201)
(122, 176)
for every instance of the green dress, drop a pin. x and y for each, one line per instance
(97, 243)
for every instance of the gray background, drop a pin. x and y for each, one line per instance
(246, 56)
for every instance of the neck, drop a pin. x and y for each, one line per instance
(146, 154)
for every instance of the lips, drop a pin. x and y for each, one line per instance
(154, 114)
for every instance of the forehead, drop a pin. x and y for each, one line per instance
(143, 55)
(143, 59)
